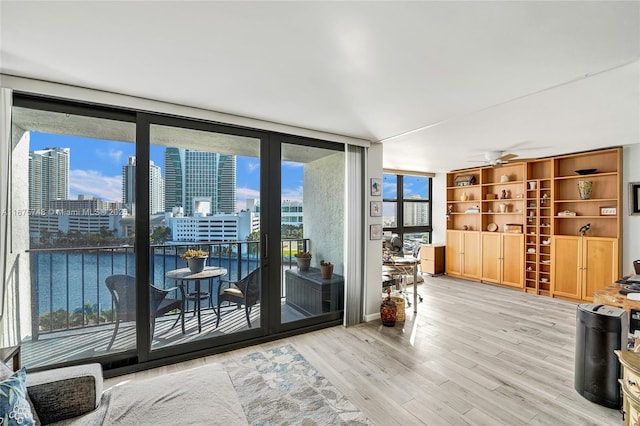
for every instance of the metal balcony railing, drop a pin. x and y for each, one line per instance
(68, 284)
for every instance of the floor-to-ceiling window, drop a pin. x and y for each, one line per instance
(407, 207)
(312, 221)
(113, 202)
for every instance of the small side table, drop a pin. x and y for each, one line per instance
(11, 352)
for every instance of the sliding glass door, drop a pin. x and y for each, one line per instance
(117, 208)
(312, 220)
(204, 202)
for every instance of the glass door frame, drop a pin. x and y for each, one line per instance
(142, 356)
(146, 120)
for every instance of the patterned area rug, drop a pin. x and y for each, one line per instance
(279, 387)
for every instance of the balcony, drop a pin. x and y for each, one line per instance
(73, 312)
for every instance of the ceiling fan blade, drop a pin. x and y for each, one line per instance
(507, 157)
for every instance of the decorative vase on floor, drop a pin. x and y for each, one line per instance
(584, 188)
(388, 311)
(196, 264)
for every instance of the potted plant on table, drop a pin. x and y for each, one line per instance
(196, 259)
(303, 259)
(326, 269)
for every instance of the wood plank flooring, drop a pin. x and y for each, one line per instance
(475, 355)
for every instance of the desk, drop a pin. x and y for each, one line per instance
(403, 265)
(611, 296)
(184, 274)
(309, 293)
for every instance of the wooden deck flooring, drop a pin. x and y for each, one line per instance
(475, 355)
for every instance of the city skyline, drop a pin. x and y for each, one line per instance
(96, 168)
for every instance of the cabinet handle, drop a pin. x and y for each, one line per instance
(631, 382)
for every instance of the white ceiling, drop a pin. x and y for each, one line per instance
(439, 83)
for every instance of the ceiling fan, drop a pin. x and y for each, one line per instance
(497, 158)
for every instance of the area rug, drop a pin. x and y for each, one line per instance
(279, 387)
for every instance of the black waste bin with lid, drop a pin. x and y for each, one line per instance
(600, 330)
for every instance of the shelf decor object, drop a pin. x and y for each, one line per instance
(586, 171)
(584, 189)
(634, 198)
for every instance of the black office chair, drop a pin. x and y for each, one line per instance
(123, 292)
(244, 292)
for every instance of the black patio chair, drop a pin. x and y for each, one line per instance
(244, 292)
(123, 292)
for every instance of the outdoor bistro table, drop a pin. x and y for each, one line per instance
(183, 275)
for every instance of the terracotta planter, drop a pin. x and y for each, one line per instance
(326, 271)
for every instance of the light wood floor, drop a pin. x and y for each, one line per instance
(477, 354)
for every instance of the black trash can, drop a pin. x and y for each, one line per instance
(600, 330)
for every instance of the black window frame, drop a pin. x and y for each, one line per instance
(401, 229)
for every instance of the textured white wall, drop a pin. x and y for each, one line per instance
(323, 206)
(630, 224)
(16, 322)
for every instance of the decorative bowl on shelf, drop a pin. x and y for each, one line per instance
(586, 171)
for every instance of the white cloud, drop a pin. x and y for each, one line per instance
(292, 194)
(92, 182)
(252, 167)
(242, 194)
(292, 164)
(115, 155)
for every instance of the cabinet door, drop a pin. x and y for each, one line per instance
(491, 256)
(427, 259)
(566, 266)
(599, 264)
(453, 258)
(513, 260)
(472, 255)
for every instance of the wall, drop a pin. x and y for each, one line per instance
(630, 224)
(16, 323)
(373, 248)
(439, 208)
(324, 186)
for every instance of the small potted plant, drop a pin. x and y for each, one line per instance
(326, 269)
(303, 259)
(196, 259)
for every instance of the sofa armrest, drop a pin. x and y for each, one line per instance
(64, 393)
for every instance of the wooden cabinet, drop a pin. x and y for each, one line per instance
(463, 201)
(630, 384)
(602, 170)
(583, 265)
(538, 227)
(502, 258)
(543, 198)
(463, 256)
(432, 259)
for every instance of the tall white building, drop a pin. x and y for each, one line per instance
(196, 174)
(156, 186)
(48, 176)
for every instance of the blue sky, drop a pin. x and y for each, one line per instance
(96, 168)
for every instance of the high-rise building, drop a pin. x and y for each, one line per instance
(48, 176)
(192, 175)
(156, 186)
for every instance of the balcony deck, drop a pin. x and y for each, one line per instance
(70, 345)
